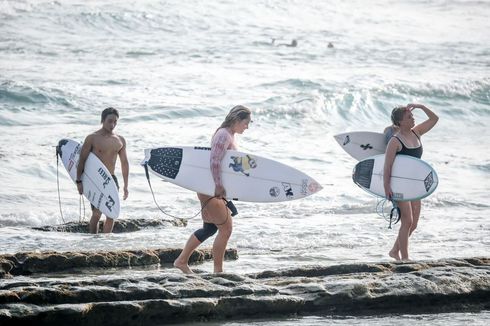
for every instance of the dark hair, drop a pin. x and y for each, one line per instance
(107, 111)
(397, 115)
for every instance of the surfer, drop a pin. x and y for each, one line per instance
(106, 145)
(406, 140)
(215, 213)
(293, 44)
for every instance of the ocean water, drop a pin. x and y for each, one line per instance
(175, 68)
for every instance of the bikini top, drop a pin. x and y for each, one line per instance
(415, 151)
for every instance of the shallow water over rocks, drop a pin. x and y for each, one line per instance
(120, 225)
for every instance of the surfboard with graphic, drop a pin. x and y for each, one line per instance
(411, 178)
(246, 177)
(98, 185)
(362, 144)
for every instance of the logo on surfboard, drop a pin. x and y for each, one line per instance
(288, 190)
(70, 165)
(104, 176)
(346, 140)
(109, 203)
(274, 191)
(428, 181)
(243, 164)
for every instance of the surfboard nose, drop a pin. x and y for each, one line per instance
(314, 187)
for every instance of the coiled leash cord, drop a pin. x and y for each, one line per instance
(395, 213)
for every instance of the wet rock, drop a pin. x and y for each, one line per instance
(5, 267)
(120, 225)
(328, 270)
(166, 296)
(47, 262)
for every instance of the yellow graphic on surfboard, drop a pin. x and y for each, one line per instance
(243, 164)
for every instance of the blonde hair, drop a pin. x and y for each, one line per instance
(397, 114)
(236, 114)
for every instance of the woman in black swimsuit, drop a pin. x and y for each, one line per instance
(406, 141)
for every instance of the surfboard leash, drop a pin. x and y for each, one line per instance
(81, 201)
(172, 216)
(395, 214)
(58, 153)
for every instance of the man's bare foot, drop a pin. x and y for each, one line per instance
(394, 254)
(183, 267)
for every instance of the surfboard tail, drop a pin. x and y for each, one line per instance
(147, 157)
(58, 147)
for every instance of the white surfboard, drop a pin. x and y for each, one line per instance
(98, 185)
(246, 177)
(411, 178)
(362, 144)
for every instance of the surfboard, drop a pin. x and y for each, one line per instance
(98, 185)
(411, 178)
(362, 144)
(246, 177)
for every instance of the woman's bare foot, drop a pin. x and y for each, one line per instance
(394, 254)
(183, 267)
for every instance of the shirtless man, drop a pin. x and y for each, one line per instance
(106, 145)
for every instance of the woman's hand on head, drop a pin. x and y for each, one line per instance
(412, 106)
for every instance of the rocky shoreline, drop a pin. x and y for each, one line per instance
(167, 296)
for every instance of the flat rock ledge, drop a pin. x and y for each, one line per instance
(27, 263)
(120, 225)
(166, 296)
